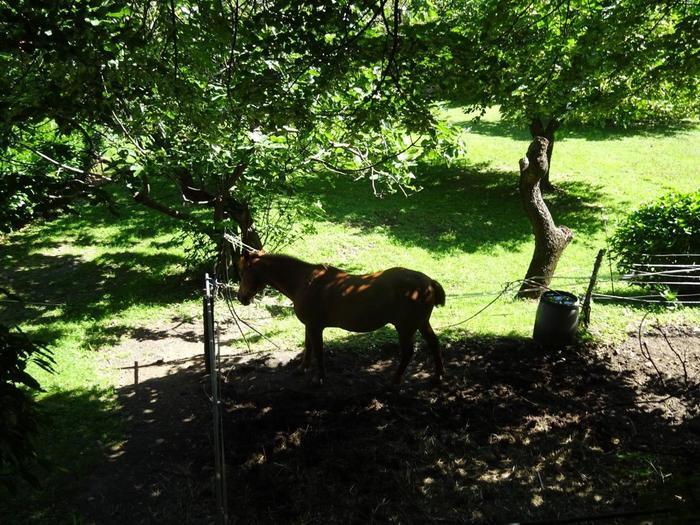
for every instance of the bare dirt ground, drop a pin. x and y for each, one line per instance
(517, 434)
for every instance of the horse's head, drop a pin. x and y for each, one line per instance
(251, 280)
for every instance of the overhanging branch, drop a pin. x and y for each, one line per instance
(143, 196)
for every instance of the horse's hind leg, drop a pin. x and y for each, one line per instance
(406, 344)
(427, 332)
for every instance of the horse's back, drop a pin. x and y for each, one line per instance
(366, 302)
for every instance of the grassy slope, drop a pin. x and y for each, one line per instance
(465, 228)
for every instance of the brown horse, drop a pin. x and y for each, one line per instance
(325, 296)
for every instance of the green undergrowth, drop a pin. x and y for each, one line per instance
(99, 277)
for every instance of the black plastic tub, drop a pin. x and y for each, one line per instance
(556, 319)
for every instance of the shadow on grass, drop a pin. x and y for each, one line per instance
(76, 428)
(81, 227)
(466, 209)
(515, 434)
(71, 288)
(520, 131)
(95, 289)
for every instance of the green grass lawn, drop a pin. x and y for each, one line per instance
(465, 228)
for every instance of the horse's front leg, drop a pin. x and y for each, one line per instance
(314, 336)
(306, 355)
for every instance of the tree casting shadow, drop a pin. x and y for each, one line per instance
(74, 289)
(520, 131)
(457, 209)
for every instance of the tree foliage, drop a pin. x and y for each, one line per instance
(230, 102)
(227, 103)
(617, 62)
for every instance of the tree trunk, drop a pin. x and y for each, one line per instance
(240, 212)
(224, 204)
(537, 129)
(228, 253)
(550, 240)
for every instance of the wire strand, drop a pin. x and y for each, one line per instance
(507, 287)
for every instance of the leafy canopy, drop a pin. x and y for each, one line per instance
(273, 90)
(597, 62)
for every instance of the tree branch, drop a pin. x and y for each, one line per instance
(55, 162)
(189, 191)
(128, 135)
(368, 167)
(143, 196)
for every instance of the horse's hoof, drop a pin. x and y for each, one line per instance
(394, 386)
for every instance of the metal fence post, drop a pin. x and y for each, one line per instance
(208, 315)
(212, 368)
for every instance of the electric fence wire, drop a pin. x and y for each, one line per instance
(658, 265)
(670, 254)
(506, 288)
(666, 273)
(228, 297)
(237, 241)
(497, 294)
(647, 301)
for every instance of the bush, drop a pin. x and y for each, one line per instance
(18, 418)
(670, 225)
(34, 187)
(20, 200)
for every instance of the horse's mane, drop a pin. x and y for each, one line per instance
(281, 257)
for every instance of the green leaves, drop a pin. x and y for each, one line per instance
(18, 419)
(211, 87)
(586, 62)
(669, 225)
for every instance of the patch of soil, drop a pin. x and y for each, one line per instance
(663, 367)
(161, 472)
(515, 434)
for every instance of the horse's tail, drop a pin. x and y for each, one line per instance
(439, 293)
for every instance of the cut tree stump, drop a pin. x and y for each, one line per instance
(550, 239)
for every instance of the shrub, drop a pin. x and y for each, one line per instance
(670, 225)
(18, 418)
